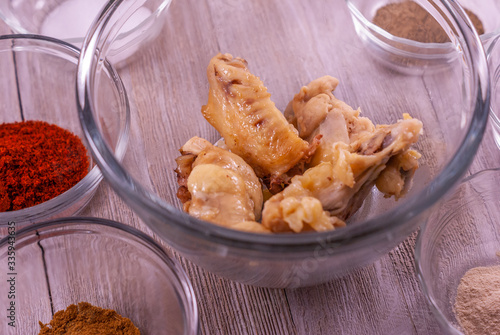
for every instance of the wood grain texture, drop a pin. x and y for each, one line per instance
(381, 298)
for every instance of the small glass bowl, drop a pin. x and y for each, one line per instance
(38, 83)
(108, 264)
(69, 20)
(463, 233)
(410, 56)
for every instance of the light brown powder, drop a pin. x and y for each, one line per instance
(477, 305)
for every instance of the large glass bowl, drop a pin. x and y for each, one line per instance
(57, 263)
(37, 82)
(462, 234)
(167, 87)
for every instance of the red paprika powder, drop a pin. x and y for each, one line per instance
(38, 161)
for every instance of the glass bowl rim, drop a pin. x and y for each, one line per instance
(94, 176)
(132, 234)
(137, 197)
(438, 314)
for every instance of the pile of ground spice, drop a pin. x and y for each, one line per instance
(86, 319)
(38, 161)
(409, 20)
(477, 304)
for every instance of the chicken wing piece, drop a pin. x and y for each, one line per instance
(240, 108)
(396, 179)
(296, 209)
(316, 111)
(218, 186)
(310, 106)
(341, 184)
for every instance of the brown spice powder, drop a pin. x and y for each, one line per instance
(477, 304)
(86, 319)
(409, 20)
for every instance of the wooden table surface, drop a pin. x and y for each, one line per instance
(382, 298)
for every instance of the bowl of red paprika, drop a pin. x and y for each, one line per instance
(46, 169)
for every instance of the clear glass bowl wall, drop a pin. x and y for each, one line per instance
(38, 83)
(493, 52)
(167, 87)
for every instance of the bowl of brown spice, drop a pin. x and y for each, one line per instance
(46, 169)
(92, 276)
(458, 257)
(412, 36)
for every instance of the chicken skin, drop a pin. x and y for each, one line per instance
(315, 110)
(340, 185)
(219, 186)
(240, 108)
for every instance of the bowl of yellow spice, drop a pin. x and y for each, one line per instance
(92, 276)
(458, 257)
(46, 169)
(411, 36)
